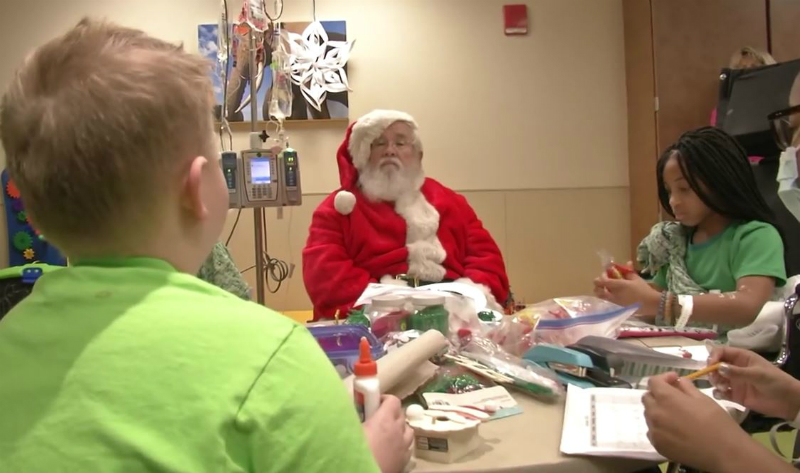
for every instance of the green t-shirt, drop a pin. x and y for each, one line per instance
(743, 249)
(129, 365)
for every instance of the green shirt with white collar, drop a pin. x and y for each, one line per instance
(129, 365)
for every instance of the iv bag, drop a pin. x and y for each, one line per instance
(280, 105)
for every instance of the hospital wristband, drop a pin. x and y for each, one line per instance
(687, 306)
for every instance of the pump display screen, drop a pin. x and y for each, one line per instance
(260, 171)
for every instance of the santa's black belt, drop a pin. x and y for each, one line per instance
(417, 282)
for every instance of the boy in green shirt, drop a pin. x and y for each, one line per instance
(125, 361)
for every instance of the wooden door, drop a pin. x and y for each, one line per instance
(642, 148)
(785, 29)
(692, 41)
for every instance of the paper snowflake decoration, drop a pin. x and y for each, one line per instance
(317, 64)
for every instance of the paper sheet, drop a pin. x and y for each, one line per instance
(609, 422)
(402, 371)
(447, 289)
(496, 394)
(698, 352)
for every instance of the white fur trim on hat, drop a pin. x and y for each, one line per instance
(344, 202)
(368, 128)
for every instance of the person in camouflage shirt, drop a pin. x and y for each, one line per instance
(220, 270)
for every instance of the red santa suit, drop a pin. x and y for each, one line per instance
(431, 233)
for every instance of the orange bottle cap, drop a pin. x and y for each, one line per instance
(365, 366)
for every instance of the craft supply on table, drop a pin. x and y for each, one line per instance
(366, 385)
(357, 317)
(405, 369)
(455, 379)
(430, 313)
(487, 359)
(703, 372)
(444, 435)
(388, 313)
(496, 401)
(639, 329)
(341, 344)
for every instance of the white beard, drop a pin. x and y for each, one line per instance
(387, 183)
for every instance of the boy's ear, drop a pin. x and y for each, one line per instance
(192, 192)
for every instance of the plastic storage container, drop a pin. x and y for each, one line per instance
(430, 313)
(388, 314)
(340, 343)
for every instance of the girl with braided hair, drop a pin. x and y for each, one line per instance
(723, 239)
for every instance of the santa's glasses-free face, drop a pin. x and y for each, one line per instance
(784, 124)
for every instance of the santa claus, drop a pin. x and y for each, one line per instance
(388, 222)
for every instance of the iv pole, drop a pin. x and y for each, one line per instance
(258, 212)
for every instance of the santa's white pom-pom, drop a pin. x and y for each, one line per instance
(344, 202)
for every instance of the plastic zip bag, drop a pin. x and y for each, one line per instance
(584, 316)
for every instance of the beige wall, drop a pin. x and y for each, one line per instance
(532, 129)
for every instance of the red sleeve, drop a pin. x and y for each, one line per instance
(483, 262)
(332, 280)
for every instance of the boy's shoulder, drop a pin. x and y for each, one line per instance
(169, 300)
(203, 303)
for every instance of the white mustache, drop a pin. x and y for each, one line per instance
(391, 160)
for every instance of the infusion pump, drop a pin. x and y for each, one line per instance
(262, 178)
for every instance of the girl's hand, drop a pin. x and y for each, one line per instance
(631, 290)
(687, 426)
(748, 379)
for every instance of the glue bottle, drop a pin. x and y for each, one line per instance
(366, 387)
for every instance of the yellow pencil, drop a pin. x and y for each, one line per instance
(703, 372)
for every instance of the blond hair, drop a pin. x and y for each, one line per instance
(95, 122)
(747, 58)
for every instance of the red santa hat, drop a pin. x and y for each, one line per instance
(369, 127)
(354, 151)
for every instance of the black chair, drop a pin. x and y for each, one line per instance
(12, 291)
